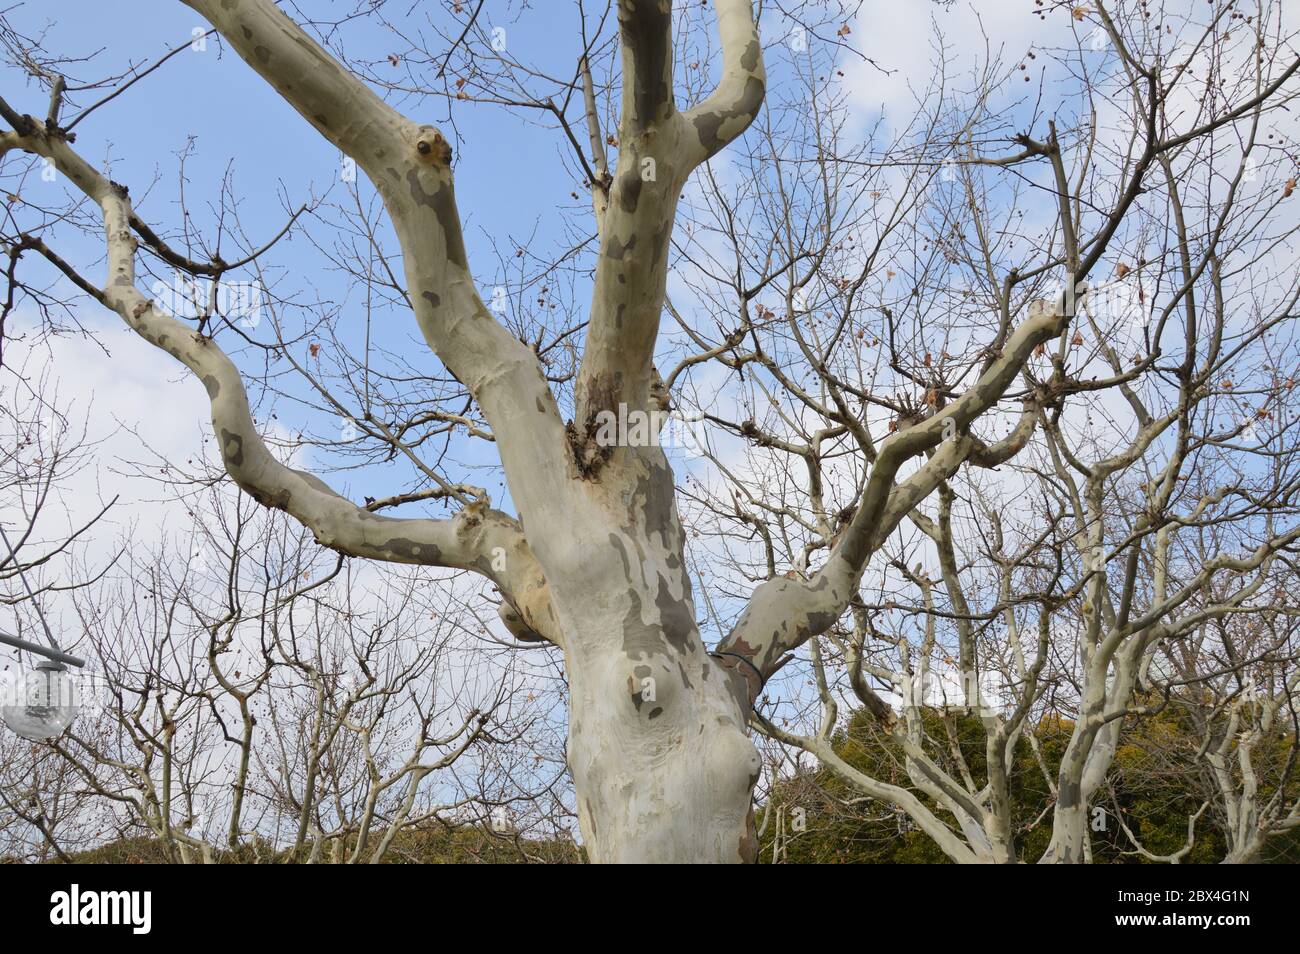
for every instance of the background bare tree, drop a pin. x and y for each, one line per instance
(43, 449)
(260, 703)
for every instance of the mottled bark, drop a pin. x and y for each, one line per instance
(595, 563)
(659, 751)
(784, 613)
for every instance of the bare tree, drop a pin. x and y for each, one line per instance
(1233, 683)
(904, 386)
(261, 704)
(43, 449)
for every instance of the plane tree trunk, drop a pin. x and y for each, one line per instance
(593, 560)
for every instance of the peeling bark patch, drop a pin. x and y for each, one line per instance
(278, 500)
(443, 203)
(749, 842)
(657, 495)
(647, 32)
(676, 617)
(263, 54)
(409, 550)
(656, 712)
(616, 250)
(640, 639)
(433, 298)
(617, 544)
(232, 446)
(820, 622)
(709, 125)
(629, 191)
(661, 243)
(749, 59)
(212, 386)
(1068, 796)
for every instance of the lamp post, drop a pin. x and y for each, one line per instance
(42, 703)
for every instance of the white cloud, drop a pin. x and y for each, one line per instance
(136, 404)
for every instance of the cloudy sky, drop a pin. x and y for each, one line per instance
(205, 121)
(207, 111)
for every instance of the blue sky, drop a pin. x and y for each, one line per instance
(514, 182)
(208, 105)
(512, 175)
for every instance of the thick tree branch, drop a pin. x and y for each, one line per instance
(783, 613)
(658, 149)
(479, 539)
(735, 103)
(410, 165)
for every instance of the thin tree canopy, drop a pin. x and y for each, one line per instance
(830, 430)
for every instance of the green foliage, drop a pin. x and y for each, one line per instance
(1156, 780)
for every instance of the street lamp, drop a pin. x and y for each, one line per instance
(41, 704)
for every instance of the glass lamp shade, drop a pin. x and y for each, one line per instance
(9, 680)
(41, 704)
